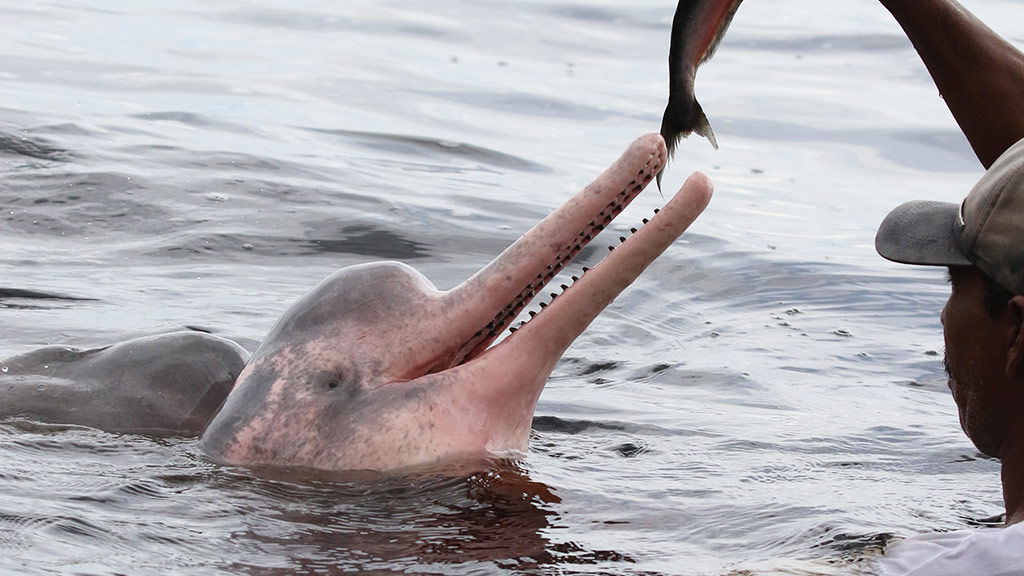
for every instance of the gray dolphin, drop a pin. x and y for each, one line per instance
(166, 385)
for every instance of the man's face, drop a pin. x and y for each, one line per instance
(976, 359)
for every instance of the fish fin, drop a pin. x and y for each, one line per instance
(703, 127)
(672, 138)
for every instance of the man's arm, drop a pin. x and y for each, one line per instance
(979, 74)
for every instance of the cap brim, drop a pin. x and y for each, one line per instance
(921, 232)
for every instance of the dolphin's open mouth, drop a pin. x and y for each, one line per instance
(522, 271)
(504, 319)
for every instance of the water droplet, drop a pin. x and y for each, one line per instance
(3, 369)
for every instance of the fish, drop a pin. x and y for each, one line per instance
(697, 28)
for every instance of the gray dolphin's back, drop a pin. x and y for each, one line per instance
(169, 384)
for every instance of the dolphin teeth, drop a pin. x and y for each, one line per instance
(564, 287)
(656, 210)
(532, 313)
(585, 268)
(543, 304)
(575, 278)
(622, 238)
(646, 220)
(513, 329)
(633, 230)
(610, 248)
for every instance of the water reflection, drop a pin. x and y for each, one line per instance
(425, 520)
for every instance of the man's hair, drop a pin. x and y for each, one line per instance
(995, 296)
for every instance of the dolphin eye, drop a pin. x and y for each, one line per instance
(329, 378)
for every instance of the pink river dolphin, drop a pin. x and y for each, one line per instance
(376, 369)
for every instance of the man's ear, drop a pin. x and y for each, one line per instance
(1015, 356)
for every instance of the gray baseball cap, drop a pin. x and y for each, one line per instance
(986, 230)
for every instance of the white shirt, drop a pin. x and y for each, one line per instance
(981, 552)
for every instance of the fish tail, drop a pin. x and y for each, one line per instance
(673, 135)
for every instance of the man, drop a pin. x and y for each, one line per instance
(981, 241)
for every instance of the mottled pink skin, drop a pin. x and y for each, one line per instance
(376, 369)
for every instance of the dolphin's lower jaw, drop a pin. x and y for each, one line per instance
(415, 376)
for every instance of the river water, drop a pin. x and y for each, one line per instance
(766, 399)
